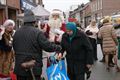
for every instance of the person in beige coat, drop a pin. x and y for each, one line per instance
(107, 34)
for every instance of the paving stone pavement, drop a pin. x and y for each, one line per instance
(98, 70)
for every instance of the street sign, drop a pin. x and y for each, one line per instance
(25, 4)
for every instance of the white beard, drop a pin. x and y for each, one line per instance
(55, 26)
(55, 23)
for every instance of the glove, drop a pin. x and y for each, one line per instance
(89, 33)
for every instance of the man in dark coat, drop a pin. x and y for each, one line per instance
(79, 52)
(28, 43)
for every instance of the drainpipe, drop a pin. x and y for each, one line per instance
(6, 10)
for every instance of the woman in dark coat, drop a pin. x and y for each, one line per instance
(79, 52)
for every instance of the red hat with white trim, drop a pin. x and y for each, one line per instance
(56, 12)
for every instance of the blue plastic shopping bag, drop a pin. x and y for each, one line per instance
(55, 72)
(62, 66)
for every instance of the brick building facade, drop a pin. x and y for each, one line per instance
(100, 8)
(96, 9)
(9, 9)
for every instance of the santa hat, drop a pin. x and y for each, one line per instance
(56, 12)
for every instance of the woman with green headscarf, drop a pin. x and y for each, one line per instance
(71, 30)
(79, 51)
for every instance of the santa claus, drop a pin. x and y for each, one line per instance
(56, 26)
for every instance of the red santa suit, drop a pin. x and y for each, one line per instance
(55, 27)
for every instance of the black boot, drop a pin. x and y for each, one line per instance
(88, 74)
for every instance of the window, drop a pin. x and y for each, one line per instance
(101, 4)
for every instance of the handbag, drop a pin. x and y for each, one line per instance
(57, 71)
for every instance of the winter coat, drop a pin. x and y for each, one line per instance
(107, 34)
(117, 29)
(79, 49)
(55, 34)
(6, 54)
(28, 42)
(92, 31)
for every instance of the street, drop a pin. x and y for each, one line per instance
(98, 70)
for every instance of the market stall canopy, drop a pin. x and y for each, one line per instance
(39, 11)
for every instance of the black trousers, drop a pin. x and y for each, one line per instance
(28, 77)
(94, 45)
(76, 70)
